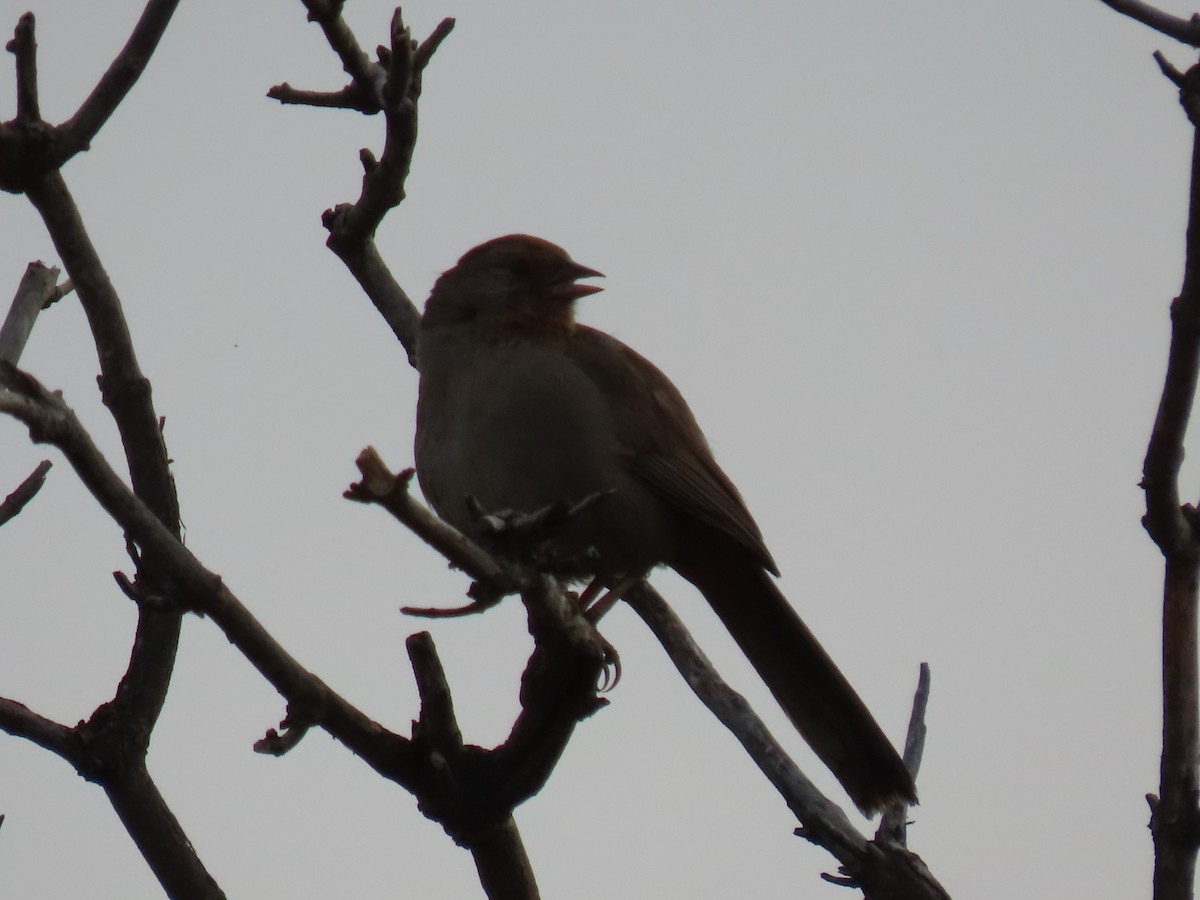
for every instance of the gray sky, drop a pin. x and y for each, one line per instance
(910, 265)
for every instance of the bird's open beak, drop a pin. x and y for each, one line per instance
(569, 289)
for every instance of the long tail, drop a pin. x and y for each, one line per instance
(806, 682)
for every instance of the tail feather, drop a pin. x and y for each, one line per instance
(808, 685)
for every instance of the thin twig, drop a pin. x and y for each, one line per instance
(25, 491)
(1166, 67)
(894, 824)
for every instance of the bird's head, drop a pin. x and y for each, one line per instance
(514, 282)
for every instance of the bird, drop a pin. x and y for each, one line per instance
(520, 407)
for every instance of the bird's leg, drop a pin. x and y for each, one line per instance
(597, 610)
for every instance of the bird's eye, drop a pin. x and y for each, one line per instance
(520, 268)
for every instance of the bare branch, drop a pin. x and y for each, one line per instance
(430, 45)
(50, 420)
(438, 725)
(1185, 30)
(349, 97)
(76, 133)
(503, 865)
(372, 274)
(1175, 820)
(20, 721)
(328, 14)
(881, 869)
(379, 486)
(24, 47)
(1168, 69)
(26, 491)
(393, 86)
(36, 291)
(277, 743)
(149, 820)
(894, 824)
(825, 823)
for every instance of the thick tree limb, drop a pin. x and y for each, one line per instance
(1185, 30)
(145, 814)
(503, 866)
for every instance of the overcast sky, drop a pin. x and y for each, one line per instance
(910, 263)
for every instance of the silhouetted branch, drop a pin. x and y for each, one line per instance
(30, 147)
(1185, 30)
(349, 97)
(558, 687)
(20, 721)
(1175, 820)
(380, 487)
(50, 420)
(393, 86)
(24, 47)
(77, 132)
(499, 854)
(25, 491)
(503, 866)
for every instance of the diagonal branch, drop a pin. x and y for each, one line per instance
(882, 869)
(356, 63)
(1185, 30)
(379, 486)
(25, 491)
(77, 132)
(50, 420)
(36, 291)
(20, 721)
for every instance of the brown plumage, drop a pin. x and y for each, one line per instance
(521, 407)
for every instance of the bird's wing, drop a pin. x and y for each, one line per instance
(661, 440)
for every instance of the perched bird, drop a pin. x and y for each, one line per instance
(520, 407)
